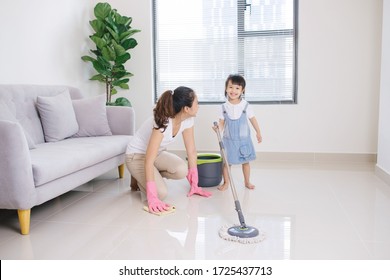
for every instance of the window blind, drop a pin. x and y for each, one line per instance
(198, 43)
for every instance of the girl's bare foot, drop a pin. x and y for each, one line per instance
(250, 186)
(223, 187)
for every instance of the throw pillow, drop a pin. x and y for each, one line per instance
(91, 116)
(5, 114)
(57, 116)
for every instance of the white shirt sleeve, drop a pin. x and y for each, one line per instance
(249, 111)
(188, 123)
(221, 115)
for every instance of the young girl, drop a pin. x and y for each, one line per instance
(236, 131)
(146, 158)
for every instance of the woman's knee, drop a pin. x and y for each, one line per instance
(179, 171)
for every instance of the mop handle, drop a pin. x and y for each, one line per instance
(233, 188)
(224, 156)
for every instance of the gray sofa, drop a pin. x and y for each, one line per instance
(48, 147)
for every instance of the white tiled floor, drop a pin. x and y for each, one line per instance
(319, 211)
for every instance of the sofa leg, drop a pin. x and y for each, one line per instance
(24, 221)
(121, 170)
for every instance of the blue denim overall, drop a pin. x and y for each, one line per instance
(237, 139)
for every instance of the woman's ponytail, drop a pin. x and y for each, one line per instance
(170, 103)
(164, 110)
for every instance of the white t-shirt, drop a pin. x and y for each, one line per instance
(139, 143)
(234, 111)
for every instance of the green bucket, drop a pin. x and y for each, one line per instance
(209, 169)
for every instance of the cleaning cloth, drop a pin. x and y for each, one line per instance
(169, 211)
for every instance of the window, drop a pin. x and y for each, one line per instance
(198, 43)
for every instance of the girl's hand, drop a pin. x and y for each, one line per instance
(259, 138)
(215, 127)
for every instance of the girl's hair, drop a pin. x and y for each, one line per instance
(170, 103)
(235, 79)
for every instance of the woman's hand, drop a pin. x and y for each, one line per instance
(192, 177)
(154, 203)
(199, 191)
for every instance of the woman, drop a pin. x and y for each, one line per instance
(146, 157)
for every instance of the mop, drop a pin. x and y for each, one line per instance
(240, 233)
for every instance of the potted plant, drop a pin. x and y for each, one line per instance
(113, 41)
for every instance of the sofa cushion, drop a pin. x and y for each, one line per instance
(22, 100)
(5, 114)
(53, 160)
(57, 116)
(91, 116)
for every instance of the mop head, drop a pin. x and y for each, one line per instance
(236, 233)
(171, 209)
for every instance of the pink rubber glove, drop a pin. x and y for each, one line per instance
(192, 177)
(154, 203)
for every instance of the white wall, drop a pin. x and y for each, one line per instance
(384, 112)
(338, 69)
(41, 41)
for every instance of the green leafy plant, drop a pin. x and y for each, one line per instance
(113, 41)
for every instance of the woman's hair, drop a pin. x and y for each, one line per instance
(235, 79)
(170, 103)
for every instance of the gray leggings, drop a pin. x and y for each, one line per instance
(166, 165)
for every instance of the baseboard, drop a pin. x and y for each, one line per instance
(303, 157)
(316, 157)
(382, 174)
(313, 158)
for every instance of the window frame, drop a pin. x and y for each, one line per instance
(241, 35)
